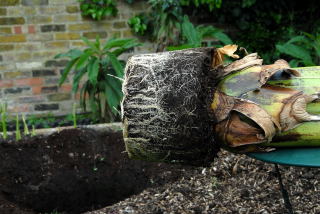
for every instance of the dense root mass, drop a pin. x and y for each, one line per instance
(165, 107)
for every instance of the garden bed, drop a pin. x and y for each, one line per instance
(68, 170)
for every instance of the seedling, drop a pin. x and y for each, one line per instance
(33, 131)
(25, 126)
(74, 115)
(18, 133)
(4, 120)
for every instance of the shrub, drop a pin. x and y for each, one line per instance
(100, 64)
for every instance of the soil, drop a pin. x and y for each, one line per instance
(68, 173)
(233, 184)
(73, 171)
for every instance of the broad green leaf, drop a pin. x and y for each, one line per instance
(117, 66)
(97, 43)
(73, 53)
(207, 31)
(222, 37)
(296, 39)
(77, 78)
(297, 52)
(115, 85)
(90, 44)
(93, 71)
(121, 50)
(189, 31)
(66, 71)
(82, 61)
(113, 43)
(294, 63)
(112, 99)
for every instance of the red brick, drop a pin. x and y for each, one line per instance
(19, 108)
(29, 81)
(6, 83)
(66, 87)
(31, 29)
(17, 29)
(36, 90)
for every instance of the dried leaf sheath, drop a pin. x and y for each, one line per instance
(274, 109)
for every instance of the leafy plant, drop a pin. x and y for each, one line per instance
(138, 24)
(304, 50)
(194, 36)
(98, 9)
(100, 64)
(212, 4)
(166, 18)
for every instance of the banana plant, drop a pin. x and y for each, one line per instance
(99, 64)
(183, 106)
(256, 113)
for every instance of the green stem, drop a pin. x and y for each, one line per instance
(74, 115)
(18, 133)
(4, 121)
(25, 126)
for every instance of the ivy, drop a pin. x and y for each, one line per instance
(98, 9)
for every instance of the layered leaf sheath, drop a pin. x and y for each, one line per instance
(182, 106)
(250, 110)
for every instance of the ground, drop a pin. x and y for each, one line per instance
(66, 172)
(233, 184)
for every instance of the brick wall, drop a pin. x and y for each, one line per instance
(32, 32)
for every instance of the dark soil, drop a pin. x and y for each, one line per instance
(69, 173)
(73, 171)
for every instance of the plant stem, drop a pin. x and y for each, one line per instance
(74, 115)
(4, 121)
(18, 134)
(33, 131)
(25, 126)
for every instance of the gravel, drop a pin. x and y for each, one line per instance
(232, 184)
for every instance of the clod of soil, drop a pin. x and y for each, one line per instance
(73, 171)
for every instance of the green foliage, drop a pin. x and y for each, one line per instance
(193, 37)
(304, 50)
(100, 64)
(138, 24)
(163, 24)
(258, 25)
(3, 111)
(98, 9)
(166, 18)
(211, 4)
